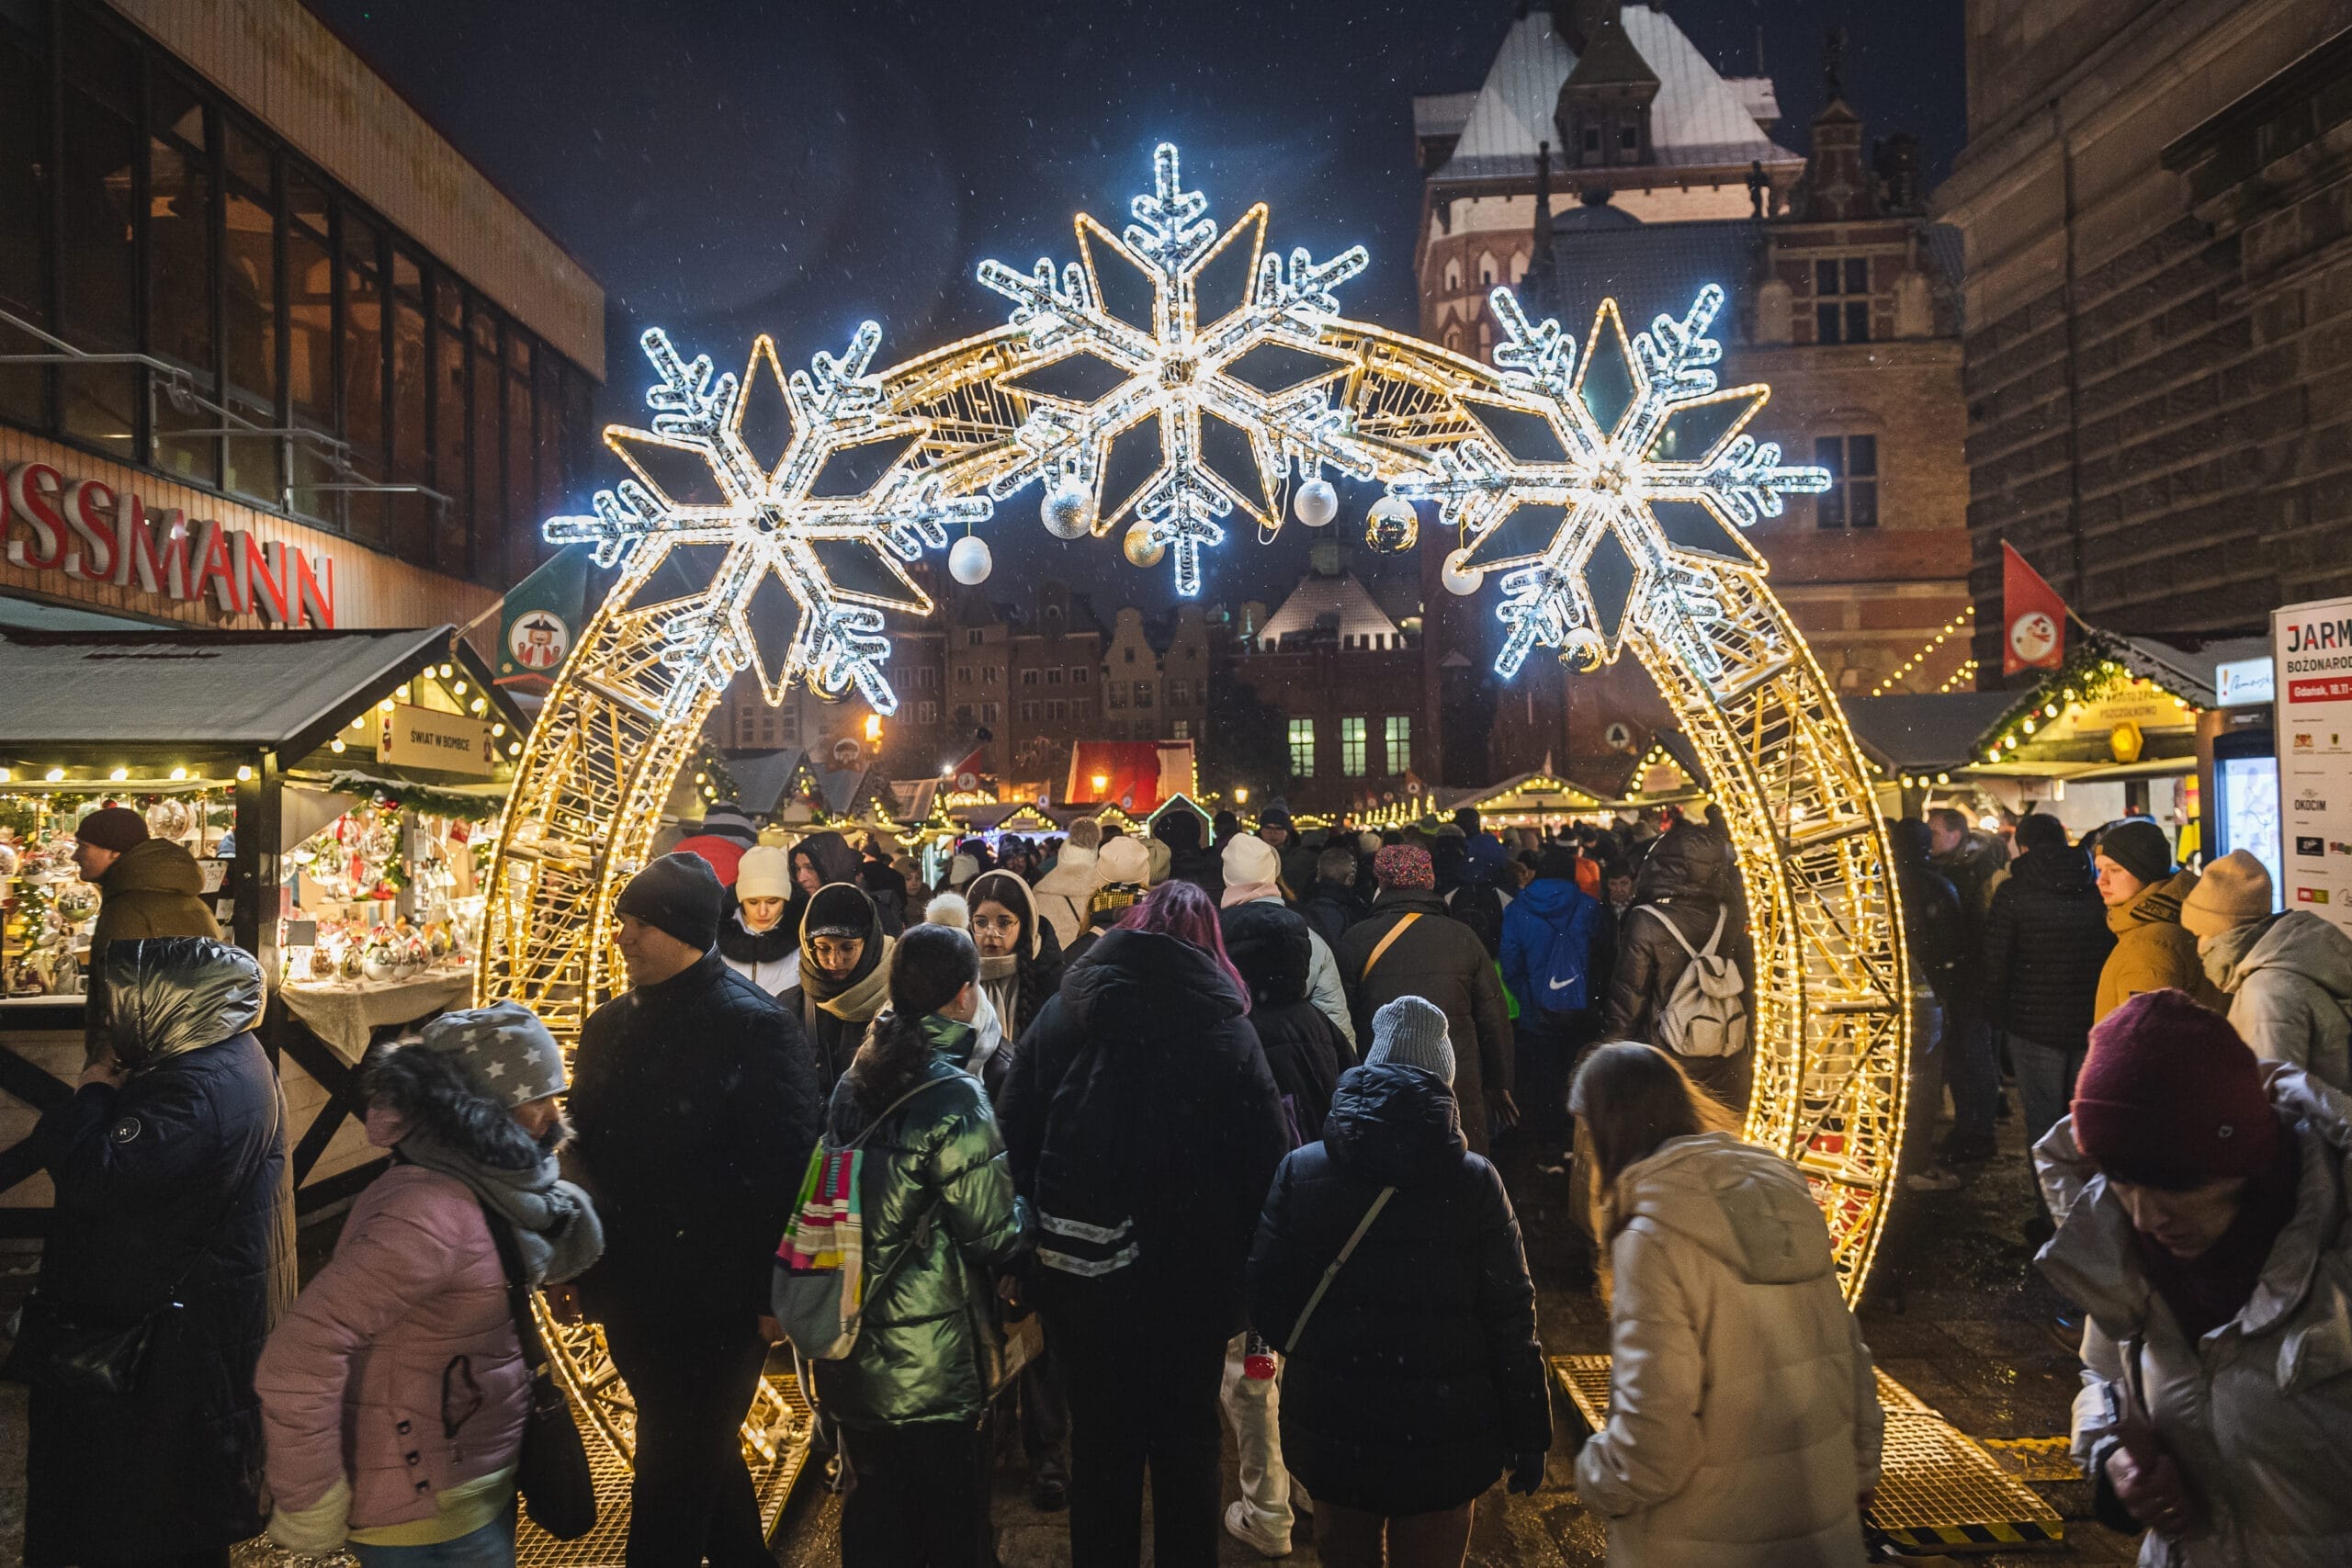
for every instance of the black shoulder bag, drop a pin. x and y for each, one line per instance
(60, 1351)
(551, 1472)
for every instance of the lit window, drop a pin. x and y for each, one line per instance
(1851, 500)
(1400, 743)
(1181, 729)
(1841, 291)
(1302, 748)
(1351, 762)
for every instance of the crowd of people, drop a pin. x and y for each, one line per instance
(1120, 1144)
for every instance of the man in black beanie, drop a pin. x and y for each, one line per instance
(695, 1105)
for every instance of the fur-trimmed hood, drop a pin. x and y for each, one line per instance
(425, 1105)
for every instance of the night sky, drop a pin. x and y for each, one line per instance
(726, 167)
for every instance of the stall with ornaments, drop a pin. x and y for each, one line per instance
(333, 787)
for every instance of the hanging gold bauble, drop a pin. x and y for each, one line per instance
(1140, 548)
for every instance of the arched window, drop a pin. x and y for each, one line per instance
(1453, 274)
(1518, 267)
(1485, 269)
(1453, 340)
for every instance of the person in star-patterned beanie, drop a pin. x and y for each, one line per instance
(505, 1047)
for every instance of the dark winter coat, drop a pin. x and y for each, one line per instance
(172, 1188)
(1331, 907)
(1188, 859)
(694, 1107)
(1305, 1050)
(153, 888)
(1688, 874)
(1419, 1375)
(939, 1212)
(1142, 1092)
(2046, 938)
(1442, 960)
(1299, 869)
(1932, 927)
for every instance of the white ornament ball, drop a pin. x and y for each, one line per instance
(1460, 577)
(1316, 503)
(1140, 548)
(1067, 510)
(1392, 526)
(968, 563)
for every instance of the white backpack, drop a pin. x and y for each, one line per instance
(1707, 1014)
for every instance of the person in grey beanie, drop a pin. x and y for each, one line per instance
(695, 1103)
(1413, 1378)
(417, 1285)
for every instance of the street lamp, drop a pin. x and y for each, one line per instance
(1240, 794)
(1102, 783)
(874, 729)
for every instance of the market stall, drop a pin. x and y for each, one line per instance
(335, 788)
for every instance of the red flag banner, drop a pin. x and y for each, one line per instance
(2033, 619)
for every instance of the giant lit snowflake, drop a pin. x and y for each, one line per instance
(1644, 427)
(1177, 371)
(773, 516)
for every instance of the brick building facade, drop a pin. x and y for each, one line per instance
(2157, 200)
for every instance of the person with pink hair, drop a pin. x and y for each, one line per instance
(1144, 1129)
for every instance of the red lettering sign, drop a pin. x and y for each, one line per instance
(88, 531)
(2327, 689)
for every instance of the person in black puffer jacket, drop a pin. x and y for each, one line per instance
(694, 1107)
(172, 1186)
(2046, 938)
(1188, 861)
(1417, 1379)
(1270, 946)
(1688, 877)
(1144, 1127)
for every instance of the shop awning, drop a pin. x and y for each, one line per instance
(203, 690)
(1925, 732)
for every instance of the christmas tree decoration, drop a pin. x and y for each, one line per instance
(1392, 526)
(1141, 545)
(1067, 510)
(968, 563)
(1460, 578)
(1316, 503)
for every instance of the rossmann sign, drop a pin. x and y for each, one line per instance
(87, 531)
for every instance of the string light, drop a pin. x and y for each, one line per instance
(119, 774)
(1949, 629)
(54, 774)
(245, 774)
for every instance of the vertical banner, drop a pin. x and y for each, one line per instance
(543, 613)
(2033, 619)
(2311, 649)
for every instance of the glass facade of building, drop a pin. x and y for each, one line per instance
(144, 214)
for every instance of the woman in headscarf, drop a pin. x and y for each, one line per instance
(845, 975)
(758, 933)
(817, 860)
(1021, 958)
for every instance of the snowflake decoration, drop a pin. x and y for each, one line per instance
(1616, 466)
(1178, 372)
(773, 516)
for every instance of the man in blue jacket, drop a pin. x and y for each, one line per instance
(1549, 958)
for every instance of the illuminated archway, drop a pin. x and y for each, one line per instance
(1608, 483)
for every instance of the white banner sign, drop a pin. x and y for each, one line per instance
(2312, 658)
(414, 736)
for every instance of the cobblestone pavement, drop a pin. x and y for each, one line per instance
(1955, 1314)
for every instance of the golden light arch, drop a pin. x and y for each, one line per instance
(1607, 484)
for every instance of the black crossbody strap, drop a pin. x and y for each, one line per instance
(518, 1293)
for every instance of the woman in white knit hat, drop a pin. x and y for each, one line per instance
(755, 938)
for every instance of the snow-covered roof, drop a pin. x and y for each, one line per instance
(1698, 118)
(1442, 114)
(1342, 596)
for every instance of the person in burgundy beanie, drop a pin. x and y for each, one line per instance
(2201, 1202)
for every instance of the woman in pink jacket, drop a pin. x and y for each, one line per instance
(394, 1395)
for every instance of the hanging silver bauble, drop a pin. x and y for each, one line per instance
(1316, 503)
(968, 561)
(1392, 526)
(1067, 510)
(1460, 577)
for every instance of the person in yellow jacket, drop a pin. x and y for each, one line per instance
(2144, 894)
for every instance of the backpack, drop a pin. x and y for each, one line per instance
(1706, 1015)
(1088, 1242)
(1564, 983)
(1480, 907)
(820, 1293)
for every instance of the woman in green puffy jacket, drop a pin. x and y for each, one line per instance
(939, 1212)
